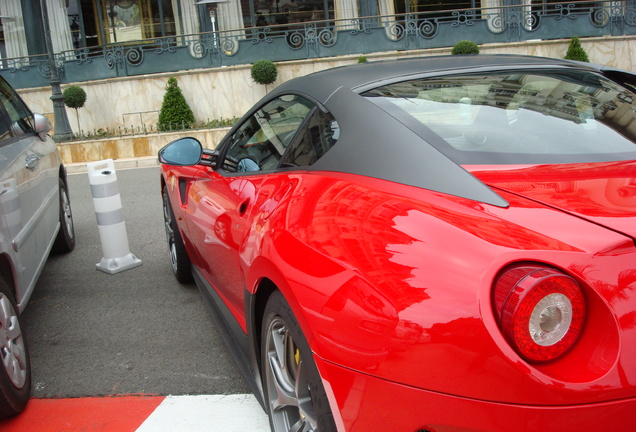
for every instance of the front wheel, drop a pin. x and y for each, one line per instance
(294, 395)
(179, 260)
(15, 367)
(65, 240)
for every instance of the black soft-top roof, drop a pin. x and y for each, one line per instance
(373, 143)
(362, 76)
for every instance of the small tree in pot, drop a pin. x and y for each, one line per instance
(75, 97)
(465, 47)
(264, 72)
(576, 52)
(175, 110)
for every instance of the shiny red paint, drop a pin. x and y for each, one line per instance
(604, 193)
(364, 402)
(392, 286)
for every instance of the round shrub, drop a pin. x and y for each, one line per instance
(264, 72)
(465, 47)
(576, 52)
(362, 59)
(74, 97)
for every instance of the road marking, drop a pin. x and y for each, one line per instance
(99, 414)
(143, 413)
(218, 413)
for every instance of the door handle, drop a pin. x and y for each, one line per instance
(31, 161)
(243, 207)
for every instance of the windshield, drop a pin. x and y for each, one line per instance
(517, 117)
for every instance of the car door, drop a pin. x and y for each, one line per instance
(21, 180)
(222, 208)
(44, 165)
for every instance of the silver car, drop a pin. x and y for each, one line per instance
(35, 218)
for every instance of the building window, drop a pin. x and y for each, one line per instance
(282, 12)
(420, 6)
(132, 20)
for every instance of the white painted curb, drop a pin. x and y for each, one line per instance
(208, 413)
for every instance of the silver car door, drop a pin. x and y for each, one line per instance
(20, 179)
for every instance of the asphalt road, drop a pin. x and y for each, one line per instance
(138, 331)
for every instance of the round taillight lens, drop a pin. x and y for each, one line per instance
(540, 311)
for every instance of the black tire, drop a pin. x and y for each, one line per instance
(15, 365)
(179, 259)
(65, 240)
(289, 371)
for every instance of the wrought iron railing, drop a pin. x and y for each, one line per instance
(331, 38)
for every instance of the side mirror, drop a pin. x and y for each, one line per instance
(247, 164)
(181, 152)
(42, 125)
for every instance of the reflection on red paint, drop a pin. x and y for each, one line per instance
(601, 192)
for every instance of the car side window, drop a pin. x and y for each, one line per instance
(260, 142)
(319, 135)
(20, 117)
(4, 129)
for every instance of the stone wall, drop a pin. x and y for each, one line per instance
(227, 92)
(129, 147)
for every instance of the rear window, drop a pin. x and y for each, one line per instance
(512, 117)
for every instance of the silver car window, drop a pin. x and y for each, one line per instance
(20, 117)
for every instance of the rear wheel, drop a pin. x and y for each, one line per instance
(294, 395)
(65, 240)
(179, 260)
(15, 370)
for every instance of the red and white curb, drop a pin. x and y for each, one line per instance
(133, 413)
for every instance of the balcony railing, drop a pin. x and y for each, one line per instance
(329, 39)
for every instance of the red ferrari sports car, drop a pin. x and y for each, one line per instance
(433, 244)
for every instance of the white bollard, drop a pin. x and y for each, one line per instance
(110, 218)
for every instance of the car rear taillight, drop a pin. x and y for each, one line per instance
(540, 311)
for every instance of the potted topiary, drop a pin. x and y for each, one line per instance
(175, 110)
(465, 47)
(264, 72)
(576, 52)
(74, 97)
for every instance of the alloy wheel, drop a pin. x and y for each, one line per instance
(288, 389)
(12, 348)
(172, 249)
